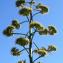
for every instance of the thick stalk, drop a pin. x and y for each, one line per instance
(30, 45)
(30, 38)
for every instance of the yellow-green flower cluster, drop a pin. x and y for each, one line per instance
(15, 52)
(25, 11)
(43, 48)
(19, 2)
(22, 41)
(8, 31)
(16, 24)
(21, 61)
(51, 48)
(43, 32)
(51, 30)
(43, 9)
(41, 52)
(36, 25)
(32, 2)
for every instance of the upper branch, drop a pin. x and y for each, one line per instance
(37, 58)
(27, 18)
(23, 50)
(36, 13)
(36, 45)
(24, 22)
(26, 49)
(20, 34)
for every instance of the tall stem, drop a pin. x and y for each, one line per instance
(30, 38)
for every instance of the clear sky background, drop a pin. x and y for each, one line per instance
(8, 12)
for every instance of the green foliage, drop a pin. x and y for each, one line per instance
(22, 41)
(15, 51)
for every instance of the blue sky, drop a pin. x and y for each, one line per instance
(8, 12)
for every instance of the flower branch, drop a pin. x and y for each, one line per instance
(20, 34)
(37, 58)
